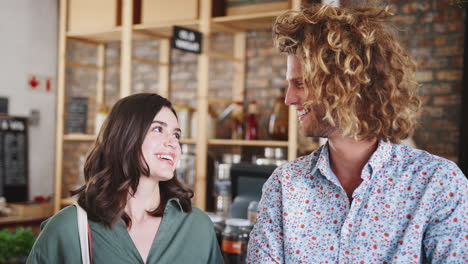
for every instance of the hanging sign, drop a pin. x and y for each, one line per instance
(40, 83)
(187, 40)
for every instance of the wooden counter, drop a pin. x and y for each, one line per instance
(13, 222)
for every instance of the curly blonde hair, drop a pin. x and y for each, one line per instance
(354, 68)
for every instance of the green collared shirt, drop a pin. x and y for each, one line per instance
(182, 238)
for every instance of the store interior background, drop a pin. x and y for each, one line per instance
(433, 32)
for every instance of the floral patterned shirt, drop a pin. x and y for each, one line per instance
(410, 208)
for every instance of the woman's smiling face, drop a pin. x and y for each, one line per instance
(161, 147)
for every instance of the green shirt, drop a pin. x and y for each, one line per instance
(182, 238)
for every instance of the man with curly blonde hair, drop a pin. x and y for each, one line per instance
(361, 197)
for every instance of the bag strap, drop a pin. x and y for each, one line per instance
(84, 233)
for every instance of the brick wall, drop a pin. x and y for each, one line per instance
(432, 31)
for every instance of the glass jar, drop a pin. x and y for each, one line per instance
(235, 240)
(218, 226)
(252, 211)
(223, 197)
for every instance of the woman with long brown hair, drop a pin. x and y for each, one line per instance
(138, 211)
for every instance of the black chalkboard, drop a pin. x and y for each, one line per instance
(77, 112)
(14, 158)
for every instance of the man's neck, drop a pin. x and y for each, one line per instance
(347, 158)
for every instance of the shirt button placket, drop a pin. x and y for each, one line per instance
(345, 237)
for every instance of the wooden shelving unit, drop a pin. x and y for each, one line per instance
(125, 34)
(79, 137)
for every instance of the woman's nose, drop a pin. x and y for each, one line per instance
(170, 141)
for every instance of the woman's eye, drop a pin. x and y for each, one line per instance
(177, 135)
(157, 129)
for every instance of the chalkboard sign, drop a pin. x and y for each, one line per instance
(14, 158)
(77, 112)
(187, 40)
(3, 105)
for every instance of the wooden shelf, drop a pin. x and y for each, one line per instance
(141, 31)
(163, 29)
(190, 141)
(79, 137)
(240, 23)
(67, 201)
(259, 143)
(113, 34)
(125, 34)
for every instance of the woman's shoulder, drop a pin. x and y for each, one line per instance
(61, 223)
(58, 239)
(199, 214)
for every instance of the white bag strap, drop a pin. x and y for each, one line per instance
(83, 232)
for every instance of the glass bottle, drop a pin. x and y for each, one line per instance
(237, 115)
(279, 118)
(251, 124)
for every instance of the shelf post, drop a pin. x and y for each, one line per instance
(126, 49)
(292, 127)
(239, 66)
(164, 69)
(101, 50)
(296, 4)
(60, 104)
(202, 107)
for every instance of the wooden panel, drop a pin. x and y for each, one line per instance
(293, 125)
(60, 104)
(67, 201)
(156, 11)
(259, 143)
(292, 134)
(164, 70)
(164, 29)
(245, 22)
(126, 55)
(189, 141)
(201, 147)
(295, 4)
(91, 15)
(81, 65)
(100, 76)
(256, 8)
(109, 35)
(79, 137)
(239, 67)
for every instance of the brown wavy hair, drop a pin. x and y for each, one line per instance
(354, 68)
(113, 168)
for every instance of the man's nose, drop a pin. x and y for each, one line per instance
(291, 97)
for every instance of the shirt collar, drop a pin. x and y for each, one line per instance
(375, 163)
(174, 202)
(380, 156)
(323, 164)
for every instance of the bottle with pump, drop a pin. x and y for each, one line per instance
(237, 115)
(251, 125)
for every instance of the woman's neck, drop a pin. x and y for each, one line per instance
(146, 198)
